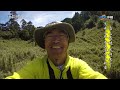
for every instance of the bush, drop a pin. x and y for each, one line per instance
(90, 24)
(100, 24)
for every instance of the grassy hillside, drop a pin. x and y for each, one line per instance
(89, 46)
(115, 70)
(16, 53)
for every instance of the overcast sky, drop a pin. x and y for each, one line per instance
(38, 18)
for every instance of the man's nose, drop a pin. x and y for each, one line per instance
(56, 39)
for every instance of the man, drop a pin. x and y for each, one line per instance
(57, 64)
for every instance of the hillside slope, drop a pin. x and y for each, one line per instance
(89, 46)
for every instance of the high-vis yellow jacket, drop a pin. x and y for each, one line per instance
(43, 68)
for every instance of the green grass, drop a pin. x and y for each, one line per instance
(15, 53)
(89, 46)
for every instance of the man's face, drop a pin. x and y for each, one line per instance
(56, 42)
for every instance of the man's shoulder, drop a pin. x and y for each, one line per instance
(76, 60)
(38, 60)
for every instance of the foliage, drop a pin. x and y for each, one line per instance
(80, 21)
(89, 45)
(15, 53)
(100, 24)
(89, 24)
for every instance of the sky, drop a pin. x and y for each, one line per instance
(38, 18)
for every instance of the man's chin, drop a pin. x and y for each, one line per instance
(57, 51)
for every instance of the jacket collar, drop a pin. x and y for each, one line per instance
(65, 66)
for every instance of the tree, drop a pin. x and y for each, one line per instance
(67, 20)
(89, 24)
(14, 27)
(27, 30)
(85, 15)
(24, 35)
(77, 22)
(31, 29)
(24, 24)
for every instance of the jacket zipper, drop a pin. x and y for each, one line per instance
(61, 74)
(61, 70)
